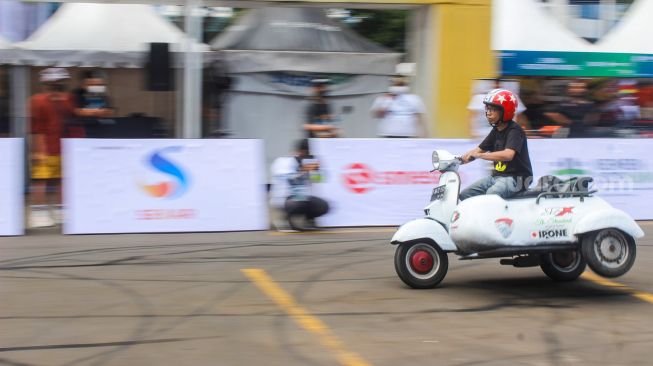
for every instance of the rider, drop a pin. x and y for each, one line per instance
(505, 145)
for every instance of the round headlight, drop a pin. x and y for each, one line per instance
(436, 160)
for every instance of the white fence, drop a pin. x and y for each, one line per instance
(621, 168)
(129, 186)
(11, 187)
(380, 181)
(386, 181)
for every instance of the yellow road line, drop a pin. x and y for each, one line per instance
(350, 231)
(284, 300)
(644, 296)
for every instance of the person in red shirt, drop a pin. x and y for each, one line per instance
(51, 111)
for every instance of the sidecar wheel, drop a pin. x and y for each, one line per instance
(421, 265)
(609, 252)
(563, 266)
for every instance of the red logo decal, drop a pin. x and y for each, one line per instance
(504, 225)
(565, 210)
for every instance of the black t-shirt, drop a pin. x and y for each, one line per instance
(577, 112)
(83, 99)
(318, 113)
(512, 137)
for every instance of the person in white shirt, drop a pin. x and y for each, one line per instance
(400, 113)
(290, 192)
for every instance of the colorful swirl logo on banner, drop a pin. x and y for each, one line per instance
(176, 186)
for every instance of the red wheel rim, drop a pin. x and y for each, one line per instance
(421, 261)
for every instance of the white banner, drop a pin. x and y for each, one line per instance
(11, 187)
(386, 181)
(381, 181)
(622, 172)
(129, 186)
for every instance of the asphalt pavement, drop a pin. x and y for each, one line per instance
(322, 298)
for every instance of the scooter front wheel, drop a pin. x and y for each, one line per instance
(420, 264)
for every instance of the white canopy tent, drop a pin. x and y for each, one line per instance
(4, 44)
(7, 52)
(633, 34)
(534, 43)
(525, 25)
(102, 35)
(118, 36)
(300, 39)
(273, 53)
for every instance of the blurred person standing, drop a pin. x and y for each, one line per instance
(216, 84)
(51, 111)
(629, 109)
(291, 195)
(319, 117)
(645, 99)
(576, 112)
(400, 113)
(92, 99)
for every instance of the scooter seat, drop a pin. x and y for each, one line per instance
(552, 184)
(529, 193)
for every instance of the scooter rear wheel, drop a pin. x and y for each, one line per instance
(421, 265)
(563, 266)
(609, 252)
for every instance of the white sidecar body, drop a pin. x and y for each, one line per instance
(489, 222)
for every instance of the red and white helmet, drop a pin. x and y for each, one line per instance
(505, 100)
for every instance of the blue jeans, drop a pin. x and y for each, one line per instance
(504, 187)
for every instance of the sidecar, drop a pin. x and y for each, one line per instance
(561, 226)
(562, 230)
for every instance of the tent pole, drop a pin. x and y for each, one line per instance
(19, 81)
(192, 90)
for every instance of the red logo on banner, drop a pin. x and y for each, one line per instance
(359, 178)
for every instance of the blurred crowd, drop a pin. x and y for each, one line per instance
(582, 108)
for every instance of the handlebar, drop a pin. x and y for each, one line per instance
(460, 159)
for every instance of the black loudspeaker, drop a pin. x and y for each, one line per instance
(159, 70)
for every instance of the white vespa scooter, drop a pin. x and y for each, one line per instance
(559, 226)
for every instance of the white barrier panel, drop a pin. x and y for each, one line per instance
(381, 181)
(129, 186)
(386, 182)
(621, 168)
(11, 187)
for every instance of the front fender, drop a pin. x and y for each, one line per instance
(607, 218)
(424, 229)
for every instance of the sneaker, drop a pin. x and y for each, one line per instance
(282, 226)
(288, 231)
(40, 218)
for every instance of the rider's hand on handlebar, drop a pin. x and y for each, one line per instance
(467, 158)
